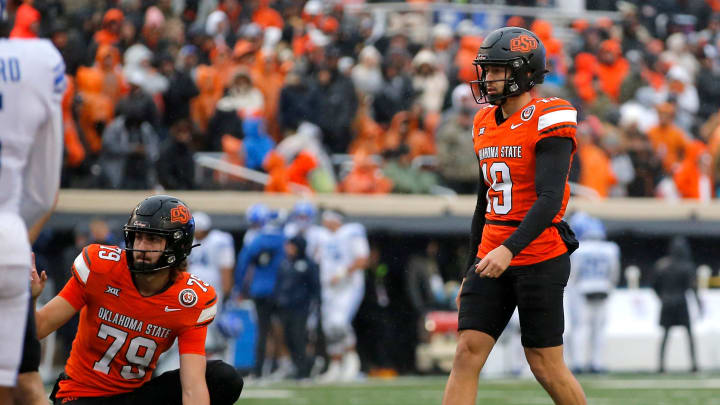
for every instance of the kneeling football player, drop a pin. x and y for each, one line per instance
(134, 302)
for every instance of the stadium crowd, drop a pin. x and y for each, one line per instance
(283, 86)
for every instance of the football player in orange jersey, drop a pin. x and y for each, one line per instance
(520, 244)
(133, 303)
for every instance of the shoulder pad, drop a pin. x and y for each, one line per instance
(97, 259)
(201, 296)
(353, 229)
(555, 112)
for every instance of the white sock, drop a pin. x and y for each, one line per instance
(351, 366)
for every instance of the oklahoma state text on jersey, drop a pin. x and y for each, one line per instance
(121, 333)
(506, 154)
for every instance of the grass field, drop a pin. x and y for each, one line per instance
(673, 389)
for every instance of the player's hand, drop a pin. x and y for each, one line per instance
(336, 279)
(494, 264)
(340, 275)
(37, 282)
(457, 297)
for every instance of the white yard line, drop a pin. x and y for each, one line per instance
(264, 393)
(657, 384)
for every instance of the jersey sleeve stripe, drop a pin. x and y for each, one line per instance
(81, 268)
(87, 257)
(211, 301)
(203, 324)
(557, 117)
(207, 314)
(555, 107)
(555, 128)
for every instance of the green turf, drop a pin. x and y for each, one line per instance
(677, 389)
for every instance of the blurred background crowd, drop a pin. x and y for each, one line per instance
(337, 96)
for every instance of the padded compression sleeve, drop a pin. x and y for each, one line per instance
(478, 221)
(552, 163)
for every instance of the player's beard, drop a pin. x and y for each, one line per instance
(143, 262)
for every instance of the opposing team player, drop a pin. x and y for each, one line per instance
(257, 216)
(32, 82)
(344, 253)
(595, 273)
(520, 245)
(302, 222)
(133, 304)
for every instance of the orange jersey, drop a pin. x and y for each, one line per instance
(121, 333)
(506, 154)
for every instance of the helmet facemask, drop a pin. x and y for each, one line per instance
(518, 80)
(169, 257)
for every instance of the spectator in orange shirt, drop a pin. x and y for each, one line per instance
(99, 87)
(613, 68)
(274, 165)
(583, 80)
(202, 107)
(595, 166)
(301, 167)
(464, 57)
(27, 22)
(268, 76)
(668, 139)
(110, 33)
(74, 150)
(692, 178)
(554, 52)
(365, 177)
(266, 16)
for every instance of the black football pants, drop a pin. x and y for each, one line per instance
(223, 382)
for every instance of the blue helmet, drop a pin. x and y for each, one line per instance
(305, 209)
(230, 324)
(587, 227)
(257, 215)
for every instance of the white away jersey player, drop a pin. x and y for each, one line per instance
(595, 267)
(338, 250)
(32, 82)
(215, 252)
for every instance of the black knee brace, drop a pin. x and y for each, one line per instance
(224, 383)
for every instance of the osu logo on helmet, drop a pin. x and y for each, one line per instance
(523, 43)
(180, 214)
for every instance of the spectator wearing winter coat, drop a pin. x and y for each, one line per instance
(397, 94)
(181, 90)
(243, 96)
(429, 81)
(668, 140)
(366, 75)
(336, 107)
(176, 167)
(129, 152)
(457, 165)
(612, 69)
(297, 101)
(297, 290)
(407, 179)
(257, 142)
